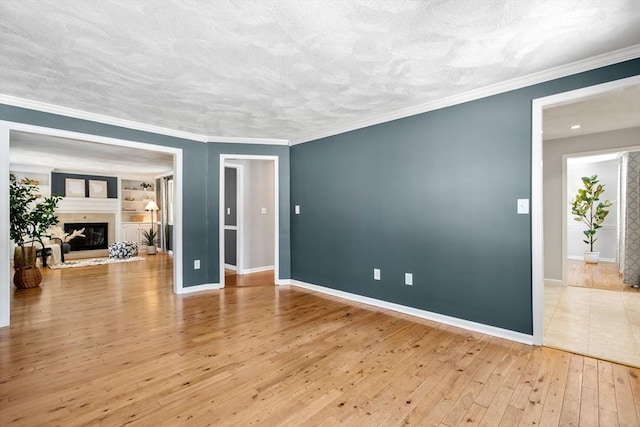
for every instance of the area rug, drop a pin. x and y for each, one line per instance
(94, 261)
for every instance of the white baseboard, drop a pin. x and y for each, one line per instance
(231, 267)
(553, 282)
(581, 258)
(200, 288)
(283, 282)
(256, 269)
(423, 314)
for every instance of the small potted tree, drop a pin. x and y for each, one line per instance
(28, 222)
(588, 209)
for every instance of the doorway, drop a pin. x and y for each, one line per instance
(6, 129)
(542, 249)
(249, 215)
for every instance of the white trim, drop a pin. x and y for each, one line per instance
(259, 141)
(553, 282)
(257, 269)
(129, 124)
(200, 288)
(579, 258)
(239, 227)
(276, 171)
(230, 267)
(5, 244)
(423, 314)
(537, 213)
(509, 85)
(5, 136)
(283, 282)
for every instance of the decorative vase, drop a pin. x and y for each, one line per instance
(151, 250)
(591, 257)
(66, 248)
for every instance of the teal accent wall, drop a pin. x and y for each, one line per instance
(434, 195)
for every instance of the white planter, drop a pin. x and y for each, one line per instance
(151, 250)
(591, 257)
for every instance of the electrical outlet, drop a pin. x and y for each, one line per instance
(263, 211)
(408, 279)
(376, 274)
(196, 264)
(297, 209)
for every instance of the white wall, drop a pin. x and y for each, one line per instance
(552, 186)
(607, 236)
(259, 228)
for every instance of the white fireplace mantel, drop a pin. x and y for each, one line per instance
(79, 204)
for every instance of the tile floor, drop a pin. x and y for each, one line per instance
(596, 322)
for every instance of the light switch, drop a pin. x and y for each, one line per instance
(263, 211)
(376, 274)
(196, 264)
(523, 206)
(228, 211)
(408, 279)
(297, 209)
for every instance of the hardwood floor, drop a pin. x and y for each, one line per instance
(111, 345)
(604, 275)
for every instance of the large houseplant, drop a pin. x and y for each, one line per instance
(588, 209)
(28, 223)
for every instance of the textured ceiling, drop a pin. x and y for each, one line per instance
(288, 69)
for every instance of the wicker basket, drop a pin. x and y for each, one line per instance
(26, 278)
(137, 218)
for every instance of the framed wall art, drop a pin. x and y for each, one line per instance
(97, 189)
(74, 187)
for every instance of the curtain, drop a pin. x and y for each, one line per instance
(631, 264)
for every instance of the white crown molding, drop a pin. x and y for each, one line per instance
(233, 140)
(99, 118)
(603, 60)
(423, 314)
(84, 115)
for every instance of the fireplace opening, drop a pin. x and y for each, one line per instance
(96, 235)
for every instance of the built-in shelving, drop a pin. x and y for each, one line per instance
(134, 198)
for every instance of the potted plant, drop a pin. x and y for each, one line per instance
(150, 238)
(588, 209)
(28, 222)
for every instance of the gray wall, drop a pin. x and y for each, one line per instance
(552, 187)
(200, 186)
(435, 195)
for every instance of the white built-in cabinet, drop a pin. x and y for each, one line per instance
(132, 232)
(134, 198)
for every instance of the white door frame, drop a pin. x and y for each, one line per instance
(239, 227)
(276, 194)
(537, 215)
(6, 127)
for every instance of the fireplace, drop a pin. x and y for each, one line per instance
(96, 235)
